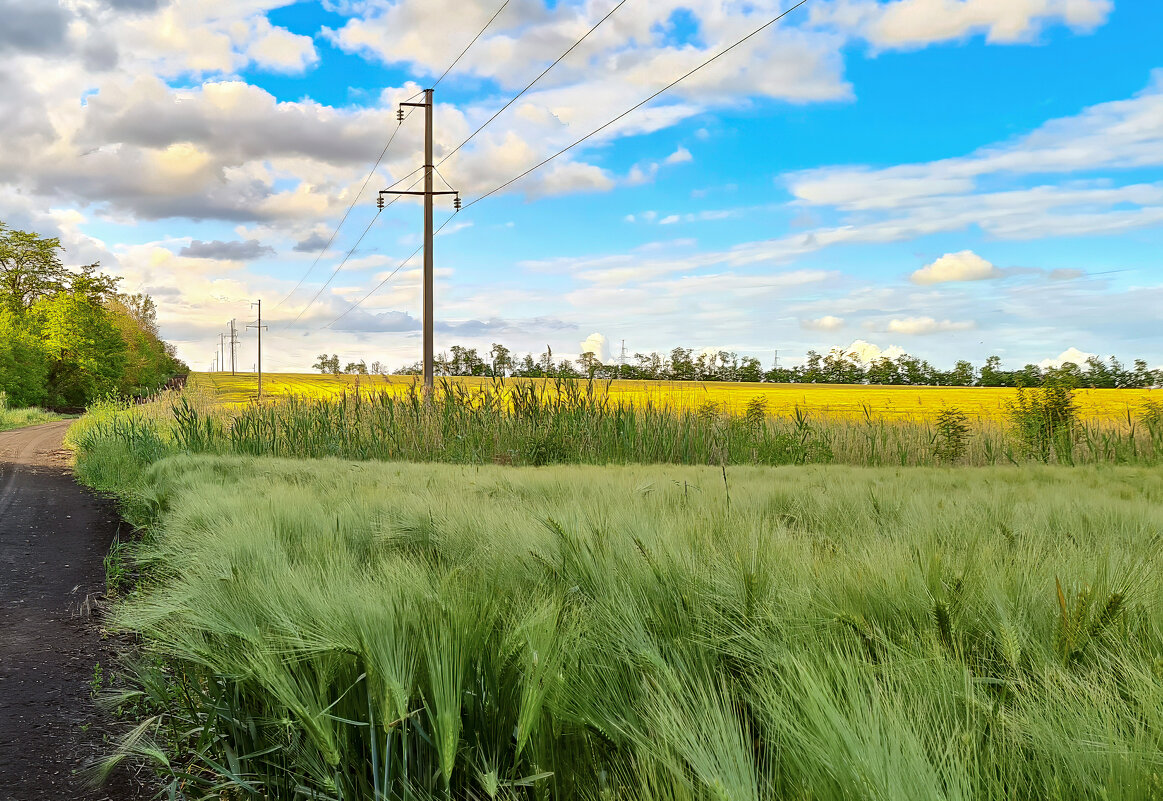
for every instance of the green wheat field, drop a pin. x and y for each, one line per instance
(368, 627)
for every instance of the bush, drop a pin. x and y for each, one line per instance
(952, 435)
(1045, 421)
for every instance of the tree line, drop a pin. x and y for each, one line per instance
(69, 335)
(835, 367)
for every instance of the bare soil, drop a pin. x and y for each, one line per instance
(54, 535)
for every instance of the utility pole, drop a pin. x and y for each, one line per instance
(428, 194)
(233, 346)
(222, 352)
(776, 365)
(622, 359)
(258, 326)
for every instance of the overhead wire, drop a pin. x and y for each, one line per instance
(470, 44)
(341, 264)
(351, 206)
(529, 85)
(591, 134)
(639, 105)
(375, 166)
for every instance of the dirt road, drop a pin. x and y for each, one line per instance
(53, 538)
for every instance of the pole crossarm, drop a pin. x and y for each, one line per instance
(407, 192)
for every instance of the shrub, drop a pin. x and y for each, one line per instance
(952, 435)
(1045, 421)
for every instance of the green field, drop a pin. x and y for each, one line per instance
(340, 630)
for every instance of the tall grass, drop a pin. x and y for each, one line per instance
(20, 417)
(339, 630)
(535, 424)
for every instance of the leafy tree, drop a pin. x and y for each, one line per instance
(149, 361)
(682, 367)
(23, 362)
(750, 370)
(356, 368)
(502, 360)
(327, 364)
(86, 350)
(29, 268)
(588, 363)
(962, 374)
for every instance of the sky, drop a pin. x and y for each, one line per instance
(951, 178)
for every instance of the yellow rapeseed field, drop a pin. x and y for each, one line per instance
(821, 400)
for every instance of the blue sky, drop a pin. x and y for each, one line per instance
(952, 178)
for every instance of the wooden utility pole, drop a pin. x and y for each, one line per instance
(258, 326)
(429, 260)
(222, 352)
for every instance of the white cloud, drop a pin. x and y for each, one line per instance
(920, 326)
(826, 323)
(965, 265)
(867, 352)
(279, 49)
(916, 23)
(596, 344)
(680, 156)
(1069, 355)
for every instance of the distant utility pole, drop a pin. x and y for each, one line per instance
(233, 346)
(622, 359)
(258, 326)
(776, 365)
(222, 352)
(428, 194)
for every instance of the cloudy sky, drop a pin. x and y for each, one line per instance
(957, 178)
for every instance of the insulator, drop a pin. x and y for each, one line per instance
(380, 202)
(456, 202)
(400, 114)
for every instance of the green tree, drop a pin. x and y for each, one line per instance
(149, 361)
(502, 359)
(86, 351)
(30, 268)
(23, 361)
(327, 364)
(588, 364)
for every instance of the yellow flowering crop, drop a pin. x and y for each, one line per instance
(824, 400)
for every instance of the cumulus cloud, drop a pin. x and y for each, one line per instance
(826, 323)
(230, 251)
(916, 23)
(965, 265)
(920, 326)
(596, 344)
(1071, 354)
(680, 156)
(867, 352)
(280, 50)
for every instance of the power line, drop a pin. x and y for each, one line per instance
(376, 288)
(388, 277)
(596, 131)
(379, 160)
(470, 44)
(339, 267)
(529, 86)
(639, 105)
(347, 213)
